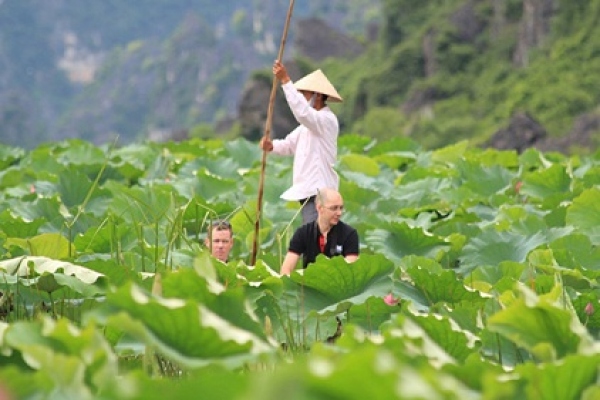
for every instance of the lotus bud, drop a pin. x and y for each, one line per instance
(589, 309)
(518, 186)
(390, 300)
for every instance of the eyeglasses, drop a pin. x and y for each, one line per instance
(335, 208)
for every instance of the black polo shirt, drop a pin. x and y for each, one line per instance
(342, 240)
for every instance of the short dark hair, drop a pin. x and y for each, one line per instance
(220, 225)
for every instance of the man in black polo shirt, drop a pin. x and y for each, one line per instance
(327, 235)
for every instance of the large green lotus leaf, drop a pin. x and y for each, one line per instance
(18, 227)
(473, 371)
(543, 260)
(367, 372)
(107, 237)
(212, 382)
(450, 155)
(273, 186)
(382, 184)
(584, 214)
(357, 198)
(466, 314)
(42, 161)
(188, 332)
(438, 337)
(227, 168)
(395, 160)
(245, 153)
(494, 273)
(401, 144)
(528, 221)
(46, 208)
(331, 286)
(115, 273)
(226, 274)
(499, 349)
(198, 213)
(207, 186)
(546, 182)
(372, 313)
(484, 180)
(192, 148)
(353, 143)
(491, 247)
(82, 156)
(78, 362)
(439, 287)
(429, 264)
(187, 284)
(533, 159)
(359, 163)
(588, 175)
(565, 380)
(73, 187)
(132, 161)
(18, 384)
(257, 273)
(53, 274)
(576, 250)
(146, 205)
(8, 155)
(540, 325)
(490, 156)
(422, 193)
(397, 240)
(51, 245)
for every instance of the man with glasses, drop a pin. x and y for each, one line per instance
(327, 235)
(220, 240)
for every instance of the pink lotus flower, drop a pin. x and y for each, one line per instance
(518, 186)
(32, 189)
(589, 309)
(390, 300)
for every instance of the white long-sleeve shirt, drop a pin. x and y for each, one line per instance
(313, 145)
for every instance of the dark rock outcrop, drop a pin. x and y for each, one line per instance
(585, 134)
(467, 22)
(419, 99)
(522, 132)
(254, 104)
(317, 41)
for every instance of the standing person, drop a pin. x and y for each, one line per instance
(314, 143)
(327, 235)
(220, 240)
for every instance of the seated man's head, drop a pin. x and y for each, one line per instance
(220, 240)
(330, 206)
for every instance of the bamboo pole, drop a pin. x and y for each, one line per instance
(267, 135)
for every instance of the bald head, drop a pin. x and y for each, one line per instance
(327, 195)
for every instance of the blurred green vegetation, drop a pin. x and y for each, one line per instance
(476, 88)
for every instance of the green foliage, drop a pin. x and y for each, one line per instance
(478, 275)
(380, 123)
(474, 87)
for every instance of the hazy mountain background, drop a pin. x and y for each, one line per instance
(96, 68)
(505, 73)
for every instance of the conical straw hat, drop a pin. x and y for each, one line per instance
(317, 82)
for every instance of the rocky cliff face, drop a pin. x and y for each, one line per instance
(98, 69)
